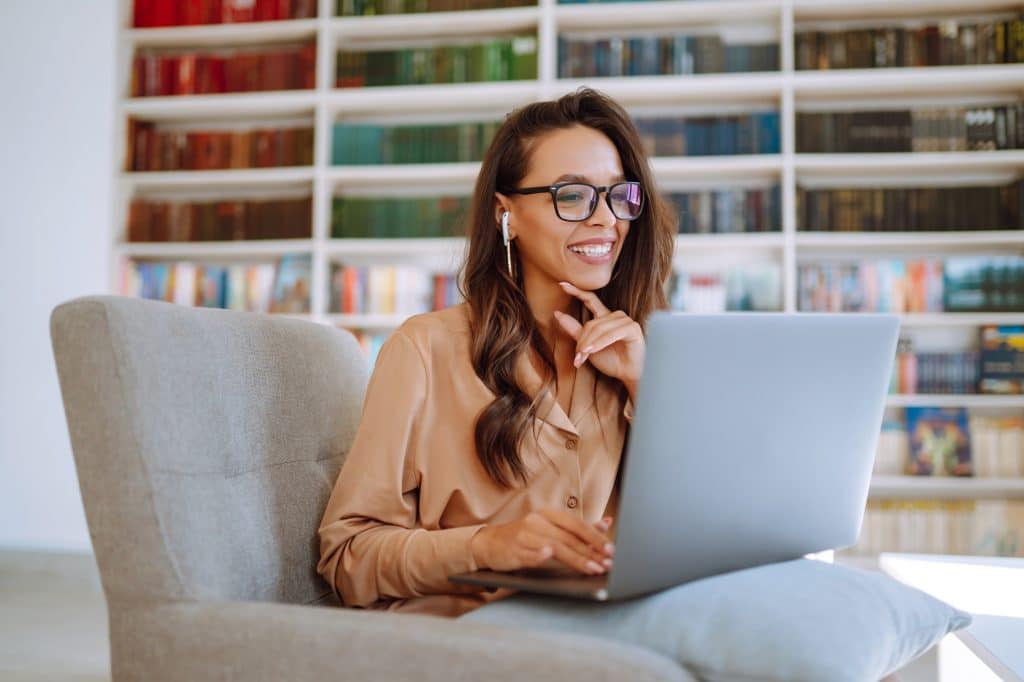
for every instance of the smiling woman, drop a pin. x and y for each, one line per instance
(492, 432)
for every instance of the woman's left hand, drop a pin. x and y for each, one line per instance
(612, 341)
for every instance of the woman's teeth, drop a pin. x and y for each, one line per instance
(593, 250)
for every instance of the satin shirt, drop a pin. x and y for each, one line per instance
(412, 492)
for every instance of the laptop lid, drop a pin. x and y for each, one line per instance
(753, 442)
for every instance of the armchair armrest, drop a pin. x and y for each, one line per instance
(255, 641)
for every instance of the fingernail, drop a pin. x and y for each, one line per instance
(607, 563)
(609, 548)
(564, 284)
(545, 551)
(576, 360)
(593, 567)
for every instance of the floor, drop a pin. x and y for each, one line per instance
(53, 621)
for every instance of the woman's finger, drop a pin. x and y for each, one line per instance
(608, 325)
(607, 338)
(569, 324)
(589, 299)
(581, 529)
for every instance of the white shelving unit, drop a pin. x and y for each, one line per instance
(787, 90)
(945, 487)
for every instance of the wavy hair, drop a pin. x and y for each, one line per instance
(502, 326)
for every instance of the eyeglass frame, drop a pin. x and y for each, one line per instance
(606, 189)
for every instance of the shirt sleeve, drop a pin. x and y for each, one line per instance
(371, 547)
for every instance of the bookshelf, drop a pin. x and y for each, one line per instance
(788, 90)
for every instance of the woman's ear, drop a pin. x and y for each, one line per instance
(501, 206)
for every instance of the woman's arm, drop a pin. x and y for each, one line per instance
(370, 548)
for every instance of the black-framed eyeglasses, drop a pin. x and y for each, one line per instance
(577, 201)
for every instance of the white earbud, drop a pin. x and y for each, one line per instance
(504, 227)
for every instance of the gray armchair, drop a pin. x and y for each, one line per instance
(206, 443)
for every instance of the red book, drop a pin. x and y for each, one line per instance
(303, 9)
(210, 78)
(163, 12)
(185, 76)
(192, 12)
(162, 82)
(138, 85)
(264, 148)
(305, 78)
(289, 148)
(142, 13)
(274, 67)
(214, 11)
(266, 10)
(234, 11)
(138, 221)
(233, 80)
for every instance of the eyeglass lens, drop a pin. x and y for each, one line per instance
(578, 201)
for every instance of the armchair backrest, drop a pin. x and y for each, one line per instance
(206, 444)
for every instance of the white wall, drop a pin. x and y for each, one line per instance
(57, 72)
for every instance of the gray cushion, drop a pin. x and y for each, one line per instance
(796, 620)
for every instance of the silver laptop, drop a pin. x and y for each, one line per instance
(752, 443)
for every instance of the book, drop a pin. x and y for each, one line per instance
(1002, 359)
(939, 441)
(292, 284)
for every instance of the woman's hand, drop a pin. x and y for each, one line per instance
(612, 341)
(543, 535)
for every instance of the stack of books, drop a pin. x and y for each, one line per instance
(151, 148)
(166, 72)
(177, 221)
(501, 59)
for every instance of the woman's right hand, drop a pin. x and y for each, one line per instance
(543, 535)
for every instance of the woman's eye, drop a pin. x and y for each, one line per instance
(570, 197)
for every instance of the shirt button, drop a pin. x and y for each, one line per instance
(572, 502)
(570, 444)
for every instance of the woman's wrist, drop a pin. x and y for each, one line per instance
(476, 548)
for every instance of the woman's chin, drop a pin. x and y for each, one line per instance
(592, 280)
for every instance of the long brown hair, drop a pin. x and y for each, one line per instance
(501, 323)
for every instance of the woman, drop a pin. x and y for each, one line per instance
(492, 431)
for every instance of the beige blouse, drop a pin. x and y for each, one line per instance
(412, 492)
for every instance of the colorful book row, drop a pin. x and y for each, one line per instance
(756, 133)
(754, 287)
(155, 148)
(951, 372)
(956, 284)
(363, 144)
(730, 210)
(391, 289)
(356, 8)
(950, 129)
(152, 13)
(884, 209)
(494, 60)
(160, 73)
(175, 221)
(281, 287)
(660, 55)
(970, 527)
(946, 43)
(398, 217)
(930, 441)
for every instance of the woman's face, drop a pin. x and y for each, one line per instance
(554, 250)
